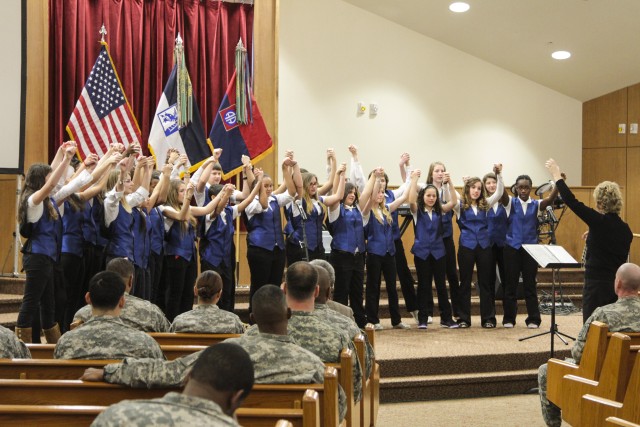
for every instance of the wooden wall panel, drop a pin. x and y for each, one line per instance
(632, 199)
(604, 164)
(600, 119)
(633, 114)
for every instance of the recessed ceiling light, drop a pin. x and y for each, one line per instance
(561, 54)
(459, 7)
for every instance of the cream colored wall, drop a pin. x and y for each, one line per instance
(436, 102)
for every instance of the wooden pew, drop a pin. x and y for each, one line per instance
(344, 370)
(590, 366)
(595, 409)
(178, 338)
(612, 382)
(615, 421)
(171, 352)
(76, 415)
(375, 378)
(365, 404)
(47, 369)
(75, 392)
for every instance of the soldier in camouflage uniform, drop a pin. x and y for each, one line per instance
(345, 310)
(333, 317)
(276, 357)
(11, 347)
(207, 318)
(220, 380)
(308, 328)
(621, 316)
(105, 336)
(137, 313)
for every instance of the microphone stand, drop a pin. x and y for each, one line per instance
(303, 243)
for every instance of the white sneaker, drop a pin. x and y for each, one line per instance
(401, 326)
(508, 325)
(533, 326)
(414, 314)
(378, 327)
(429, 320)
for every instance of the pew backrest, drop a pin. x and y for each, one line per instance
(179, 338)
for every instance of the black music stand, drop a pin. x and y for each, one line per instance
(553, 257)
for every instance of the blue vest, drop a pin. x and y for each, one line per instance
(216, 244)
(121, 235)
(474, 229)
(380, 237)
(390, 198)
(178, 243)
(89, 228)
(156, 224)
(428, 236)
(447, 226)
(72, 226)
(46, 236)
(498, 223)
(313, 226)
(140, 238)
(265, 229)
(347, 231)
(523, 226)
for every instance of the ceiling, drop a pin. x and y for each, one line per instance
(519, 35)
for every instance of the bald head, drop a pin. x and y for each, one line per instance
(627, 280)
(324, 285)
(301, 279)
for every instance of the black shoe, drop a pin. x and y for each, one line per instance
(449, 324)
(462, 324)
(488, 325)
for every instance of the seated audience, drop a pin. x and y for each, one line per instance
(219, 382)
(137, 313)
(207, 318)
(105, 336)
(333, 317)
(345, 310)
(621, 316)
(11, 347)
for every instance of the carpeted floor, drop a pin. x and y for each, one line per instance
(506, 411)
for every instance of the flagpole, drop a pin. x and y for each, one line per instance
(237, 238)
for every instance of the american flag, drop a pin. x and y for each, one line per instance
(102, 115)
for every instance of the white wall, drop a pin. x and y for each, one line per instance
(436, 102)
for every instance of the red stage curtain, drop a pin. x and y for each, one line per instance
(141, 35)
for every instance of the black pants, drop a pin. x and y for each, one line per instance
(497, 253)
(141, 283)
(266, 268)
(482, 259)
(377, 265)
(38, 303)
(596, 293)
(73, 276)
(405, 277)
(180, 276)
(227, 300)
(295, 253)
(157, 289)
(518, 261)
(431, 270)
(452, 273)
(349, 286)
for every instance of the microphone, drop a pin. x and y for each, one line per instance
(303, 213)
(551, 215)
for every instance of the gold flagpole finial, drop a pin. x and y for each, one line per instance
(103, 32)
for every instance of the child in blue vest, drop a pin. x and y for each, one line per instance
(498, 222)
(429, 250)
(474, 248)
(381, 247)
(522, 212)
(265, 239)
(216, 237)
